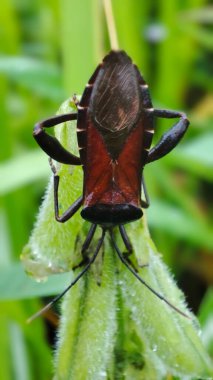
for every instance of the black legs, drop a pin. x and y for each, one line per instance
(168, 141)
(71, 210)
(50, 144)
(56, 151)
(89, 238)
(125, 238)
(172, 137)
(86, 245)
(57, 298)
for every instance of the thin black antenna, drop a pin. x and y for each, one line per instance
(57, 298)
(121, 257)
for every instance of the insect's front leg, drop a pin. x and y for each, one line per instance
(172, 137)
(50, 144)
(71, 210)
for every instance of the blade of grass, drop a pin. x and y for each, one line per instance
(81, 41)
(20, 171)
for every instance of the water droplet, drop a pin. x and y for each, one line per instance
(154, 348)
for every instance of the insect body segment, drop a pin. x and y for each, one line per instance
(115, 126)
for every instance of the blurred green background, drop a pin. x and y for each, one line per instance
(48, 50)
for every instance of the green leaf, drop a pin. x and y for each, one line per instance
(195, 156)
(200, 149)
(206, 320)
(5, 368)
(42, 78)
(78, 62)
(206, 307)
(17, 338)
(200, 15)
(22, 170)
(179, 223)
(19, 353)
(16, 284)
(130, 38)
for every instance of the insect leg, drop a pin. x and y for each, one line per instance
(146, 203)
(86, 245)
(89, 238)
(128, 246)
(125, 238)
(50, 144)
(71, 210)
(172, 137)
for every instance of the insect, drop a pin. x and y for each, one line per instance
(115, 127)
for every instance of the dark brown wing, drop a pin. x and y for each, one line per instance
(116, 103)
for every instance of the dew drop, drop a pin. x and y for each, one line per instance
(155, 348)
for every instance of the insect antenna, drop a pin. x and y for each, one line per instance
(125, 262)
(57, 298)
